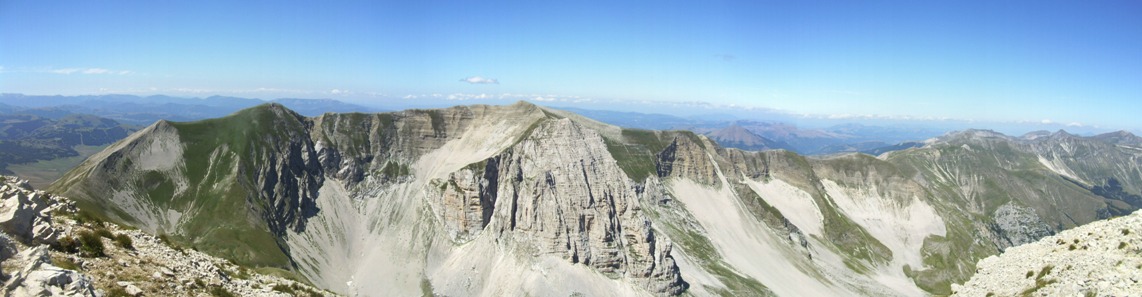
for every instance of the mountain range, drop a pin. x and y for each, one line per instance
(137, 110)
(522, 199)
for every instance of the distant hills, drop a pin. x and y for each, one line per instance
(736, 136)
(732, 132)
(137, 110)
(26, 138)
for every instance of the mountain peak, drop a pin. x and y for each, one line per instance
(1120, 137)
(271, 107)
(1062, 133)
(737, 136)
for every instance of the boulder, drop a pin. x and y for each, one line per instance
(54, 281)
(26, 214)
(133, 290)
(40, 278)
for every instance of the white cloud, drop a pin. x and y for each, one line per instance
(480, 80)
(64, 71)
(1075, 124)
(1046, 122)
(340, 92)
(68, 71)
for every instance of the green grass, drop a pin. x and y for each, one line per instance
(637, 151)
(117, 291)
(219, 291)
(124, 241)
(90, 244)
(393, 169)
(426, 288)
(65, 263)
(44, 172)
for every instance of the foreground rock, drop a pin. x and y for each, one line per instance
(1103, 258)
(48, 249)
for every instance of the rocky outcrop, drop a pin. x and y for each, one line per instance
(133, 263)
(26, 214)
(469, 199)
(39, 278)
(1017, 225)
(1098, 259)
(688, 158)
(560, 188)
(288, 173)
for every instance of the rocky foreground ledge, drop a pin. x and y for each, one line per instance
(1103, 258)
(47, 248)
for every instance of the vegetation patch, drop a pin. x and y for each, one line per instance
(219, 291)
(1040, 281)
(65, 263)
(124, 241)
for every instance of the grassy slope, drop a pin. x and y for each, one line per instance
(220, 214)
(967, 185)
(225, 223)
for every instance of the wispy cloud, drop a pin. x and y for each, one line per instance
(480, 80)
(68, 71)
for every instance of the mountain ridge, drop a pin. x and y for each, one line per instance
(613, 203)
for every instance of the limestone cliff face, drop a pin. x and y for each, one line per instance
(688, 158)
(516, 174)
(494, 200)
(287, 173)
(560, 189)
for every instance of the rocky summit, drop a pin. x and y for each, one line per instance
(524, 200)
(1103, 258)
(49, 248)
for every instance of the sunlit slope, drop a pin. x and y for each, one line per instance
(492, 200)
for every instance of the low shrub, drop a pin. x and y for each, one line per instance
(124, 241)
(90, 244)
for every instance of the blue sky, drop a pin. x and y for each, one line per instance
(1062, 61)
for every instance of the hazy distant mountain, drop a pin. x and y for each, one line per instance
(1120, 138)
(751, 134)
(634, 119)
(804, 141)
(464, 201)
(315, 107)
(874, 148)
(884, 134)
(738, 137)
(138, 110)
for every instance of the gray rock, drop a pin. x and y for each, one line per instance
(39, 278)
(133, 290)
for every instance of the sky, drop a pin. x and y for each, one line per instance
(1073, 62)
